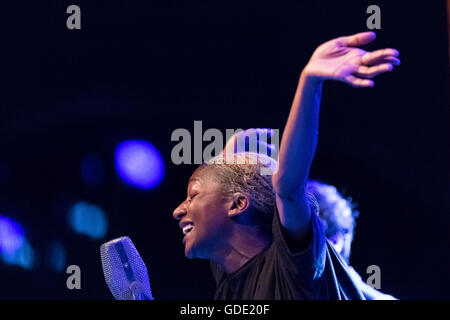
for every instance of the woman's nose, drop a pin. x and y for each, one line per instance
(180, 211)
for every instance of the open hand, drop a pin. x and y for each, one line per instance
(338, 59)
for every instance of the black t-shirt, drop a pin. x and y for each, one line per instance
(276, 273)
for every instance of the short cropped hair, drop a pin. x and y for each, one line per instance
(243, 174)
(251, 174)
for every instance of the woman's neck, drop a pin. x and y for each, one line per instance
(243, 244)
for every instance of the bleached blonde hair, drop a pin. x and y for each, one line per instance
(250, 174)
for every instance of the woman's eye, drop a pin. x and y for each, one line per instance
(193, 196)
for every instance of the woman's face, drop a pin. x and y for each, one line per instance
(203, 216)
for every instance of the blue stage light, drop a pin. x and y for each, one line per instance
(57, 257)
(22, 256)
(139, 164)
(88, 219)
(11, 235)
(14, 248)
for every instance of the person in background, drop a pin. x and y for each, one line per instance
(338, 215)
(261, 233)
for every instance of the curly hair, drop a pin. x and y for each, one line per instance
(337, 213)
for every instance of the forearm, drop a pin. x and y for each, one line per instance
(299, 138)
(337, 59)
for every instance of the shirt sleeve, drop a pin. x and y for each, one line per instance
(305, 267)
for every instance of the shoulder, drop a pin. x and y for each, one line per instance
(307, 258)
(313, 231)
(295, 217)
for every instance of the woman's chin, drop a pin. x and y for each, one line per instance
(188, 251)
(189, 254)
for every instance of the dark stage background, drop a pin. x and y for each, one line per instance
(140, 70)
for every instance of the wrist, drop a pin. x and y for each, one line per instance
(309, 80)
(309, 77)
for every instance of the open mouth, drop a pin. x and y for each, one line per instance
(188, 228)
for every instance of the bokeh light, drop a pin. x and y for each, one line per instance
(88, 219)
(15, 250)
(139, 164)
(23, 256)
(57, 256)
(11, 235)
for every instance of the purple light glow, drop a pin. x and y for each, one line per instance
(15, 250)
(139, 164)
(11, 235)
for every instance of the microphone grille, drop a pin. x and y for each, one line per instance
(123, 268)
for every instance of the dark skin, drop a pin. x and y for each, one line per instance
(217, 234)
(223, 230)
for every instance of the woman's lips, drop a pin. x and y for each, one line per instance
(187, 235)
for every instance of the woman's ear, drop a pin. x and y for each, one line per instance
(239, 204)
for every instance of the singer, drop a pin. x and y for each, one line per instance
(260, 232)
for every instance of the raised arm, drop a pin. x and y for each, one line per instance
(337, 59)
